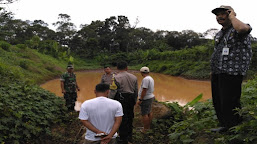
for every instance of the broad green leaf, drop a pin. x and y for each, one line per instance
(199, 97)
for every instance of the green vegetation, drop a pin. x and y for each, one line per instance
(30, 114)
(22, 63)
(31, 53)
(192, 124)
(192, 63)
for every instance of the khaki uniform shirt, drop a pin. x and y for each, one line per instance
(127, 82)
(107, 79)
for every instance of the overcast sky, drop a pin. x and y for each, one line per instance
(171, 15)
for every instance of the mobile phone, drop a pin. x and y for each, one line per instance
(101, 135)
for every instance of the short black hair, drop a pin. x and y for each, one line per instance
(102, 87)
(107, 66)
(122, 65)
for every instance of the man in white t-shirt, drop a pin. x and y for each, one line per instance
(146, 98)
(101, 115)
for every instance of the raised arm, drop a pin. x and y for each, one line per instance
(239, 26)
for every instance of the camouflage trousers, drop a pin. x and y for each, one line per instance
(70, 99)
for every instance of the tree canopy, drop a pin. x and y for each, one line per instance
(113, 35)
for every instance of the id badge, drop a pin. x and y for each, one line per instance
(225, 51)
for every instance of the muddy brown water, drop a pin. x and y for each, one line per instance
(167, 88)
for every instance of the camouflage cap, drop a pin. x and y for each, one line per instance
(70, 66)
(221, 8)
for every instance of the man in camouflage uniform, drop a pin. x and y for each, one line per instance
(69, 87)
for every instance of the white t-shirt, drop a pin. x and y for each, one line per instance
(101, 113)
(148, 83)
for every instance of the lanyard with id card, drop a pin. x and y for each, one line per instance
(225, 50)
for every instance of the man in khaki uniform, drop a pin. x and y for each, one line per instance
(108, 78)
(127, 95)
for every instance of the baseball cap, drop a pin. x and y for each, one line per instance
(145, 69)
(221, 8)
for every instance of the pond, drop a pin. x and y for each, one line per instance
(167, 88)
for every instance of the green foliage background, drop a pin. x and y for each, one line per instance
(29, 113)
(31, 54)
(192, 123)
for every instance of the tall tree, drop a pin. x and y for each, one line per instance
(122, 33)
(173, 40)
(141, 38)
(190, 38)
(86, 41)
(186, 38)
(7, 1)
(40, 29)
(160, 42)
(210, 33)
(5, 17)
(16, 31)
(106, 33)
(65, 29)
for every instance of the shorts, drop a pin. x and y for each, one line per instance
(146, 106)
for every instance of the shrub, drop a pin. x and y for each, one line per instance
(4, 45)
(192, 124)
(21, 46)
(24, 64)
(27, 112)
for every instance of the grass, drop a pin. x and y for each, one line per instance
(30, 65)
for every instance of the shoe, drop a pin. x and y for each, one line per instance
(219, 129)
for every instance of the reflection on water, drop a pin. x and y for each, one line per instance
(167, 88)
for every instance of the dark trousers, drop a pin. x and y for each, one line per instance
(70, 99)
(127, 101)
(226, 93)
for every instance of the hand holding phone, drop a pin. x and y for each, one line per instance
(101, 135)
